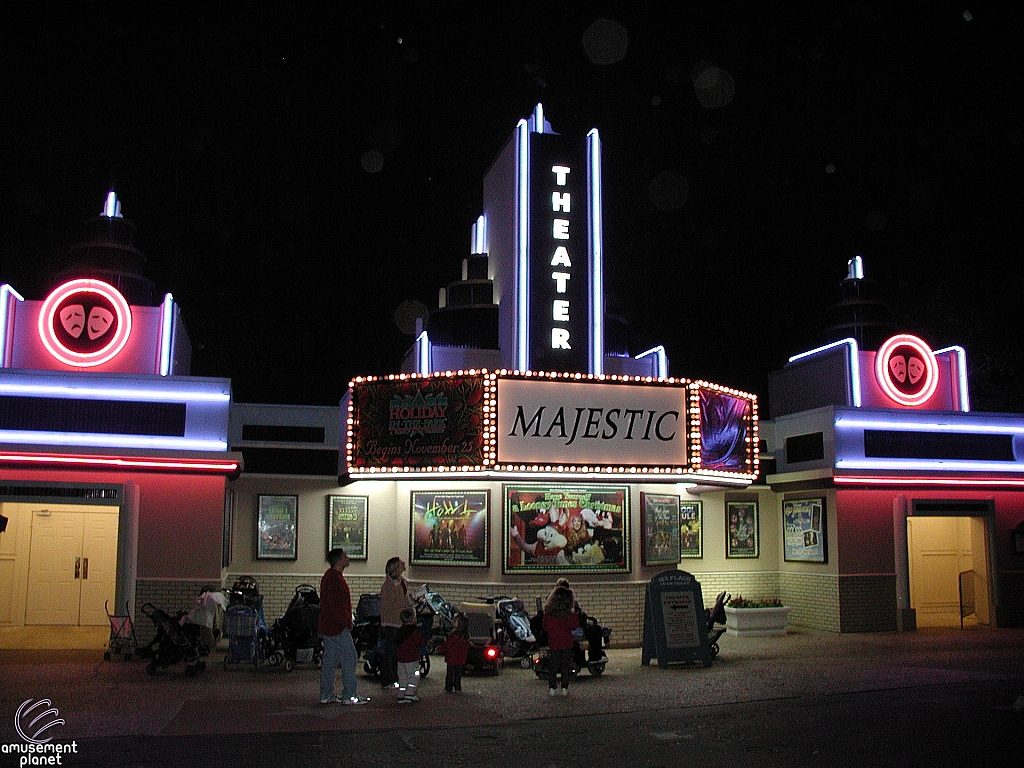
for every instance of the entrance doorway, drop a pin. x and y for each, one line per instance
(940, 548)
(72, 567)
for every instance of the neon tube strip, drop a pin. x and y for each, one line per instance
(931, 426)
(538, 118)
(957, 481)
(595, 235)
(113, 393)
(166, 333)
(122, 461)
(961, 370)
(423, 354)
(7, 298)
(104, 440)
(944, 465)
(522, 268)
(662, 359)
(853, 355)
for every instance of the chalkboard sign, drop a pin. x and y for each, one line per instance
(675, 626)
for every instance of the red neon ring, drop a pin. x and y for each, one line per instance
(85, 359)
(882, 369)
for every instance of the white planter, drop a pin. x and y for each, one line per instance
(756, 622)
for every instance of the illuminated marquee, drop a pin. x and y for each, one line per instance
(85, 323)
(505, 423)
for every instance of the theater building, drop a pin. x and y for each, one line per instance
(519, 440)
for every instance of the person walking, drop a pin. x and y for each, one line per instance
(394, 598)
(335, 625)
(410, 640)
(559, 622)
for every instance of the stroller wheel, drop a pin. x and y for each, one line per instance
(424, 665)
(275, 658)
(525, 662)
(288, 665)
(106, 656)
(714, 649)
(368, 668)
(596, 669)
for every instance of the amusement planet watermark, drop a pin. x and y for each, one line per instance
(32, 721)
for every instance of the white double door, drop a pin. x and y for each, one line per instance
(72, 567)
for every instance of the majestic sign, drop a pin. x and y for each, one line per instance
(597, 423)
(504, 423)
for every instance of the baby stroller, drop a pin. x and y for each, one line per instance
(247, 636)
(514, 633)
(592, 656)
(430, 602)
(485, 653)
(369, 639)
(295, 637)
(204, 621)
(170, 645)
(246, 591)
(122, 635)
(716, 616)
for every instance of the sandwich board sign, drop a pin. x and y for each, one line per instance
(675, 627)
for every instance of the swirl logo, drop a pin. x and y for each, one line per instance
(33, 719)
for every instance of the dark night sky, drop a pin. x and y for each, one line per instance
(748, 154)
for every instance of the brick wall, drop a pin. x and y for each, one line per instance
(169, 596)
(813, 598)
(868, 603)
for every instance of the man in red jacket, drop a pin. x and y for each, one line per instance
(335, 625)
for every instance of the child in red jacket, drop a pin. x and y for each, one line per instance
(409, 639)
(559, 623)
(456, 650)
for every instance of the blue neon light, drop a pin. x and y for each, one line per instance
(662, 359)
(104, 440)
(7, 298)
(166, 334)
(853, 355)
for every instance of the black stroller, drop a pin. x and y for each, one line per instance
(514, 633)
(369, 640)
(716, 621)
(593, 658)
(295, 638)
(170, 645)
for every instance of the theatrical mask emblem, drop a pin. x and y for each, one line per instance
(907, 370)
(74, 321)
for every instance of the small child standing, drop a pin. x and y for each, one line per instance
(559, 623)
(456, 650)
(409, 640)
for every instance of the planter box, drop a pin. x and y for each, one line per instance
(756, 622)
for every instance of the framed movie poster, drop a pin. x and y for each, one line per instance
(803, 530)
(691, 530)
(659, 517)
(566, 528)
(741, 535)
(277, 528)
(449, 528)
(346, 525)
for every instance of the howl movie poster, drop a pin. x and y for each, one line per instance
(449, 527)
(566, 528)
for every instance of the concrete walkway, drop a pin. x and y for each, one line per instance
(99, 699)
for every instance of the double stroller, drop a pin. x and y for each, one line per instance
(294, 637)
(587, 654)
(171, 645)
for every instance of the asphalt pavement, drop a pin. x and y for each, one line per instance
(928, 698)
